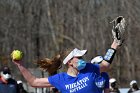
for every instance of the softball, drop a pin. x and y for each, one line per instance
(16, 55)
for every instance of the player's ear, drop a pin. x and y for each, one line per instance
(70, 63)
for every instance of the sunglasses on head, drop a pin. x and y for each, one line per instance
(6, 72)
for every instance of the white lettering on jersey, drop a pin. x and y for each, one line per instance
(77, 85)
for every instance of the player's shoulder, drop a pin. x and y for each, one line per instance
(61, 74)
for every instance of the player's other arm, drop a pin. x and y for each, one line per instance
(31, 79)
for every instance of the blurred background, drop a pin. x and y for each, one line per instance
(41, 28)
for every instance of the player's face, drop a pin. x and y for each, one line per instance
(74, 61)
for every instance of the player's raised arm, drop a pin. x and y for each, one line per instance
(118, 30)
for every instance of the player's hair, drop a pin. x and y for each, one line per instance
(55, 63)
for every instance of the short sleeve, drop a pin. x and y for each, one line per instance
(97, 68)
(55, 80)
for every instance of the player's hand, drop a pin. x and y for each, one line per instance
(118, 30)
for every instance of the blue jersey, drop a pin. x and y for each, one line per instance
(83, 83)
(102, 81)
(106, 77)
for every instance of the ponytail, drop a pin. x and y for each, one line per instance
(50, 65)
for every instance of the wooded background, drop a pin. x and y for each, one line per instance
(41, 28)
